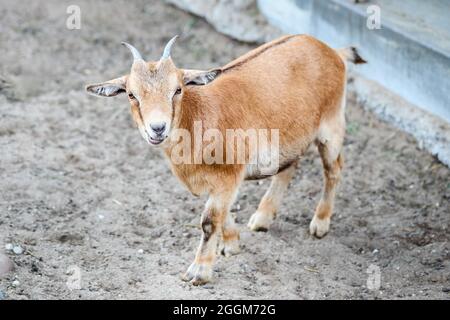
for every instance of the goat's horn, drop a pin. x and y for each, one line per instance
(166, 53)
(136, 55)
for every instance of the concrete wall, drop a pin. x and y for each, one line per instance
(414, 70)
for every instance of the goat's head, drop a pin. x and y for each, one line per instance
(155, 91)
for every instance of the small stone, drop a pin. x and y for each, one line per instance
(16, 283)
(101, 217)
(34, 268)
(18, 250)
(141, 251)
(375, 251)
(6, 265)
(9, 246)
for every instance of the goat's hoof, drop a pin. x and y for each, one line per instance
(198, 274)
(260, 221)
(319, 227)
(198, 281)
(230, 248)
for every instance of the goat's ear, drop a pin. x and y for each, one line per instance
(199, 77)
(109, 88)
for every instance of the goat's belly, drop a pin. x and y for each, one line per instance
(270, 163)
(255, 172)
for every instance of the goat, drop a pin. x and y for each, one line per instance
(295, 84)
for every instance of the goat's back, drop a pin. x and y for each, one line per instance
(290, 83)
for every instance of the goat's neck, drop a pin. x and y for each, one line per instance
(191, 110)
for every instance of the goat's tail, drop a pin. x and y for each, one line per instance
(351, 54)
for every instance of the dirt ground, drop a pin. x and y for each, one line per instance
(80, 188)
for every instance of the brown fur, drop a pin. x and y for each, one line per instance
(293, 95)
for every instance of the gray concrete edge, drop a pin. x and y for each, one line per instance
(431, 132)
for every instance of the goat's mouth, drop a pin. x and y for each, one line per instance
(155, 141)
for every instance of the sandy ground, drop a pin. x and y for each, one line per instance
(80, 188)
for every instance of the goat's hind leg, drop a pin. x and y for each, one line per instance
(230, 237)
(332, 160)
(267, 209)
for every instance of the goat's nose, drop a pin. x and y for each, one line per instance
(158, 127)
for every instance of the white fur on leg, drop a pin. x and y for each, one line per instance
(319, 227)
(230, 248)
(260, 221)
(198, 274)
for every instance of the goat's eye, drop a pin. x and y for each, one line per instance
(178, 91)
(131, 96)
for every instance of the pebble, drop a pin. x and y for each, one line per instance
(6, 265)
(16, 283)
(18, 250)
(9, 246)
(141, 251)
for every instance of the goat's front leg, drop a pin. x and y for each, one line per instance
(213, 220)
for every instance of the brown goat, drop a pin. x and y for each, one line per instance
(294, 86)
